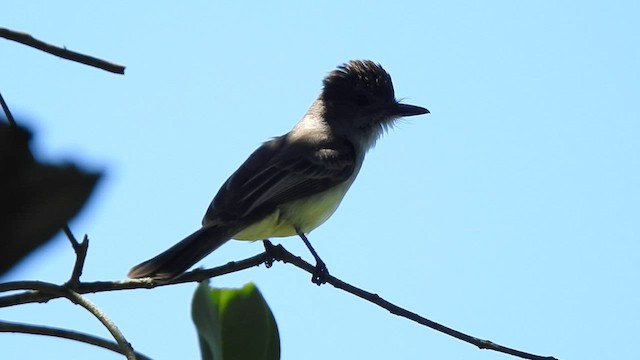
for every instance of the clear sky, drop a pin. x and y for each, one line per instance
(512, 212)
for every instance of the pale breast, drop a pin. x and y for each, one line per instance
(304, 214)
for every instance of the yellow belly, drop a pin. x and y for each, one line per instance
(305, 214)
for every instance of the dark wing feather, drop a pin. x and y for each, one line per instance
(270, 177)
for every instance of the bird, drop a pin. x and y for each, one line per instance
(293, 183)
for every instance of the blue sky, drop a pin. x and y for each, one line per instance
(510, 212)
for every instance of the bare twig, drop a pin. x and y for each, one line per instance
(279, 253)
(7, 112)
(6, 326)
(56, 291)
(80, 249)
(34, 293)
(72, 239)
(29, 40)
(104, 319)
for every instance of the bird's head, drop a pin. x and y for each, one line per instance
(359, 101)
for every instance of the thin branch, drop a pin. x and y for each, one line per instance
(7, 112)
(104, 319)
(41, 292)
(6, 326)
(56, 291)
(80, 249)
(29, 40)
(279, 253)
(72, 239)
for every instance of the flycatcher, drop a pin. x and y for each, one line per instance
(293, 183)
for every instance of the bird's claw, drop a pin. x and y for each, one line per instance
(320, 274)
(269, 250)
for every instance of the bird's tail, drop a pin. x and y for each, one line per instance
(181, 256)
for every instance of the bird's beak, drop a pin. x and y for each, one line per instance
(410, 110)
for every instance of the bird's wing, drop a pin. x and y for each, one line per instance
(270, 177)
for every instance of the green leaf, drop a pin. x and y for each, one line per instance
(235, 324)
(205, 317)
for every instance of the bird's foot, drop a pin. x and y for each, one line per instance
(269, 249)
(320, 273)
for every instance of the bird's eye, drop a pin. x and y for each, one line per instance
(362, 99)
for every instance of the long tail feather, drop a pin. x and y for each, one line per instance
(180, 257)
